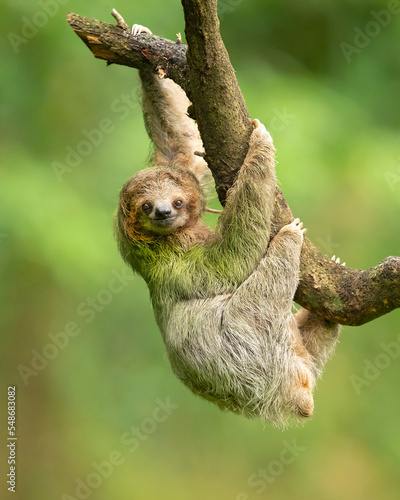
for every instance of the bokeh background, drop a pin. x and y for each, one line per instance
(100, 414)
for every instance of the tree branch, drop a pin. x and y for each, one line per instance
(224, 122)
(339, 294)
(115, 44)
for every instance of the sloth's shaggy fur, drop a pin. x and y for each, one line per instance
(222, 298)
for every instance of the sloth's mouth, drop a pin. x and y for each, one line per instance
(163, 225)
(165, 221)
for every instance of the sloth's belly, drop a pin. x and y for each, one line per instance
(195, 320)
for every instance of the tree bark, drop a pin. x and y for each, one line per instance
(343, 295)
(224, 122)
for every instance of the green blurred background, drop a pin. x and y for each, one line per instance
(334, 112)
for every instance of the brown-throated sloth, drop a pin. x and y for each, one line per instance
(223, 298)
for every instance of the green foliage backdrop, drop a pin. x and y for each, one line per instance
(100, 414)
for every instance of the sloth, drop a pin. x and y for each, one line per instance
(222, 298)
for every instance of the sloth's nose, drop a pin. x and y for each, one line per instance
(163, 212)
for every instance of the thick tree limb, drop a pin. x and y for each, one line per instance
(224, 122)
(343, 295)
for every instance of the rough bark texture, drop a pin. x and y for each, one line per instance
(116, 45)
(343, 295)
(224, 122)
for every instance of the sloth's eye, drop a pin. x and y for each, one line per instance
(146, 207)
(178, 203)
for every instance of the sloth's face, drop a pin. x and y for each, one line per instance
(163, 212)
